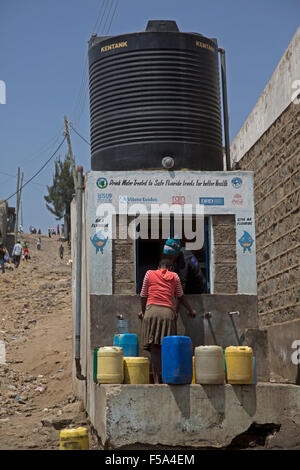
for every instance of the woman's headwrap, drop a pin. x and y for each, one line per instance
(172, 246)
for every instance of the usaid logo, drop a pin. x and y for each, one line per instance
(104, 197)
(178, 200)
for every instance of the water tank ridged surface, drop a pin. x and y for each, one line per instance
(155, 94)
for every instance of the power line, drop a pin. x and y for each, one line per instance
(46, 147)
(105, 4)
(6, 174)
(82, 91)
(98, 17)
(80, 102)
(43, 148)
(117, 3)
(15, 176)
(82, 99)
(76, 132)
(106, 12)
(107, 16)
(39, 171)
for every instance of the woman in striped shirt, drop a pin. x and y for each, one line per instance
(159, 313)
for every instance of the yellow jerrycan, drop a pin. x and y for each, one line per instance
(74, 439)
(239, 365)
(209, 367)
(110, 367)
(136, 370)
(194, 377)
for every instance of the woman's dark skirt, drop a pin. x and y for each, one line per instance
(159, 321)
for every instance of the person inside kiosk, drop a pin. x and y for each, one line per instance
(186, 266)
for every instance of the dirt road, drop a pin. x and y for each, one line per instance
(36, 398)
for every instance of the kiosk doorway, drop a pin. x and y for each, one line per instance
(148, 252)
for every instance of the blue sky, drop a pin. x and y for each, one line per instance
(43, 54)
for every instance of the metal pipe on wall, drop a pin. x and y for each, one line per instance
(225, 108)
(79, 190)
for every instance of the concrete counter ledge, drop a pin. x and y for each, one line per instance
(196, 416)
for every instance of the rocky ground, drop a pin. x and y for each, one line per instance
(36, 399)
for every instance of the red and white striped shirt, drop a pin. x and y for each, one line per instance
(160, 287)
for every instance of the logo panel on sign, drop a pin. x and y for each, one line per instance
(102, 183)
(178, 200)
(236, 182)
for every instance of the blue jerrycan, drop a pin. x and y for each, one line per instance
(129, 343)
(177, 360)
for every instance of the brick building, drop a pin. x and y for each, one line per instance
(268, 144)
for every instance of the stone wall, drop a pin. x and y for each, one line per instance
(268, 145)
(123, 266)
(275, 160)
(224, 248)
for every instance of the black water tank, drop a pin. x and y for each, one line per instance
(155, 94)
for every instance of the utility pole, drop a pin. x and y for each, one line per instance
(22, 214)
(17, 209)
(20, 191)
(18, 202)
(67, 133)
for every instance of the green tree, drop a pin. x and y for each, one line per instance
(60, 194)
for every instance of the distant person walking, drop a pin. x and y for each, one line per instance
(61, 251)
(38, 243)
(49, 232)
(3, 255)
(26, 253)
(16, 253)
